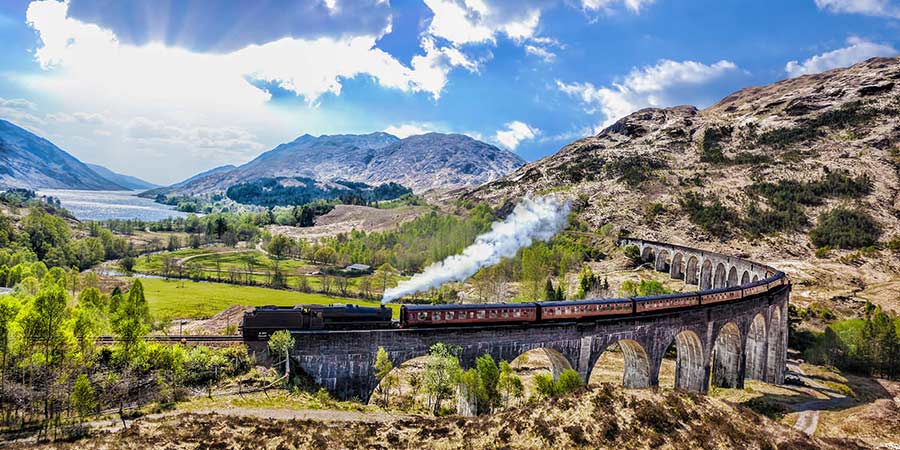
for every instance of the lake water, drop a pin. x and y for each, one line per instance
(102, 205)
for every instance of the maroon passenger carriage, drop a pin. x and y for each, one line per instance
(259, 324)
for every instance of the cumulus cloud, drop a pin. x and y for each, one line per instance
(878, 8)
(857, 50)
(632, 5)
(663, 84)
(540, 52)
(480, 21)
(410, 129)
(514, 133)
(142, 131)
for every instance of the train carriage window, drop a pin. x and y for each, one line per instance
(505, 314)
(480, 314)
(517, 313)
(493, 314)
(422, 315)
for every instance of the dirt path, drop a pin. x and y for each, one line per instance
(808, 416)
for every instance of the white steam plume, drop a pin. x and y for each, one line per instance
(532, 219)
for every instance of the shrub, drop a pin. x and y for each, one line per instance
(823, 252)
(634, 170)
(894, 243)
(708, 213)
(845, 228)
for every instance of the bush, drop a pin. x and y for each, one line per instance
(634, 170)
(845, 228)
(709, 213)
(894, 243)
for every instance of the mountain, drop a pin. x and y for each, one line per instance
(126, 181)
(423, 162)
(768, 171)
(30, 161)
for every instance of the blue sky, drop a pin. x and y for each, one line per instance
(163, 89)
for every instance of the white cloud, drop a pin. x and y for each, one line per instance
(514, 133)
(659, 85)
(147, 132)
(480, 21)
(540, 52)
(857, 50)
(632, 5)
(878, 8)
(21, 112)
(410, 129)
(88, 70)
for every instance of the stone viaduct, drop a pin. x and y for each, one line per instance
(718, 344)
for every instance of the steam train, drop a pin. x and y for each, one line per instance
(260, 323)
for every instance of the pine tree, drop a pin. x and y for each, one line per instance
(549, 292)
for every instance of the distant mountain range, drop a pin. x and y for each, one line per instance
(424, 162)
(126, 181)
(30, 161)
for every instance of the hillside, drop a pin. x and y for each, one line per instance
(30, 161)
(750, 175)
(126, 181)
(419, 162)
(599, 417)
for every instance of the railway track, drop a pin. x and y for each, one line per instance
(178, 338)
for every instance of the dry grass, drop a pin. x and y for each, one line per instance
(600, 417)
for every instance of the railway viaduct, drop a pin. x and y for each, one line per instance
(719, 344)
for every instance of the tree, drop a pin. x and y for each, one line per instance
(509, 384)
(303, 284)
(386, 277)
(43, 325)
(127, 263)
(549, 291)
(489, 374)
(325, 255)
(544, 385)
(386, 379)
(196, 241)
(279, 246)
(83, 397)
(230, 238)
(442, 371)
(568, 381)
(280, 343)
(131, 322)
(9, 309)
(174, 243)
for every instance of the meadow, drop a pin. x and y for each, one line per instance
(185, 299)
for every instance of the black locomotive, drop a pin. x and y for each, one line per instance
(260, 323)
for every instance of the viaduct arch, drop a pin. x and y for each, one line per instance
(719, 344)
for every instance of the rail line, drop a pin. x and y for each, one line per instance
(177, 338)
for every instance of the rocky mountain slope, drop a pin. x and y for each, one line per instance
(126, 181)
(423, 162)
(30, 161)
(750, 174)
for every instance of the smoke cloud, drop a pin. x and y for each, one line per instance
(532, 219)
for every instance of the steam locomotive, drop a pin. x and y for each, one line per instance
(260, 323)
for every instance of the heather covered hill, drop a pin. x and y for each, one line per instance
(421, 163)
(804, 172)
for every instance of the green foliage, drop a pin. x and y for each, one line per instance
(868, 346)
(848, 115)
(279, 246)
(280, 343)
(845, 228)
(893, 244)
(509, 385)
(300, 191)
(489, 376)
(568, 381)
(634, 170)
(786, 200)
(546, 387)
(711, 147)
(709, 213)
(631, 288)
(131, 322)
(83, 396)
(442, 372)
(633, 253)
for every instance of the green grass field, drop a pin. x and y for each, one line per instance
(191, 300)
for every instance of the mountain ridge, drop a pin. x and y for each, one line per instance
(33, 162)
(423, 162)
(651, 171)
(126, 181)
